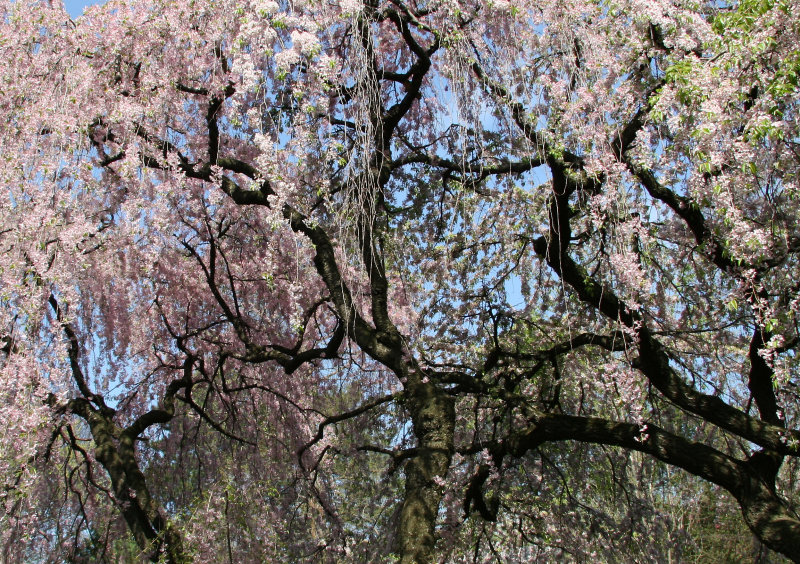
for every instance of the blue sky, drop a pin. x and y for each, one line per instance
(75, 7)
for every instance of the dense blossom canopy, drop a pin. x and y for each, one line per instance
(437, 280)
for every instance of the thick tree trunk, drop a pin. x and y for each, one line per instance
(433, 416)
(147, 521)
(155, 536)
(770, 520)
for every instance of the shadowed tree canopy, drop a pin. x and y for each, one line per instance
(420, 281)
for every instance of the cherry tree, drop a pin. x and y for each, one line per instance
(350, 280)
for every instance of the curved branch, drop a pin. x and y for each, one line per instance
(654, 363)
(765, 513)
(74, 355)
(332, 419)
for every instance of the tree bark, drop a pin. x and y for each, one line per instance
(433, 416)
(768, 517)
(146, 520)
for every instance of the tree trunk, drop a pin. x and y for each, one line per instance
(433, 416)
(771, 521)
(147, 521)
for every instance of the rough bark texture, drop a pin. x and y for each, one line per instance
(767, 516)
(433, 416)
(147, 521)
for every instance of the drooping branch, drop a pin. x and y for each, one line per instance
(653, 359)
(683, 206)
(166, 411)
(74, 360)
(766, 514)
(654, 363)
(338, 418)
